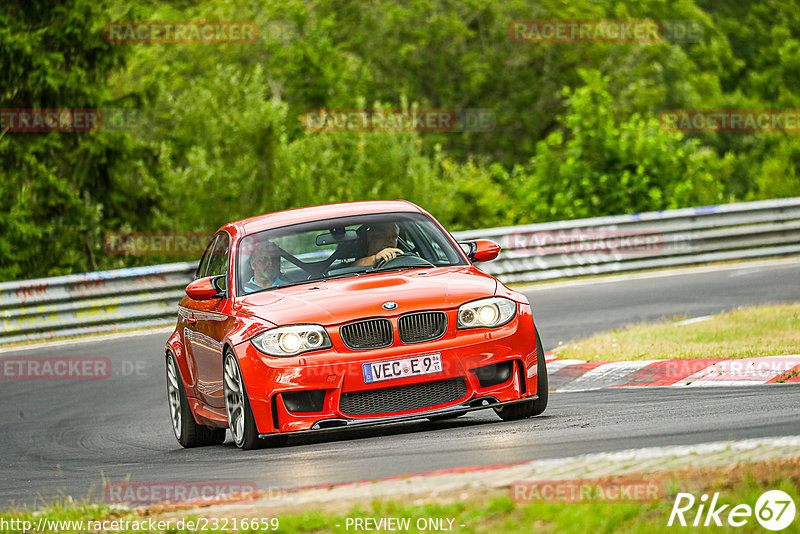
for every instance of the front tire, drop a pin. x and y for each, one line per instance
(241, 422)
(187, 431)
(523, 410)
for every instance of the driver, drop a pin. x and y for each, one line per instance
(266, 264)
(381, 244)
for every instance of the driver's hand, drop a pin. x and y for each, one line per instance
(387, 254)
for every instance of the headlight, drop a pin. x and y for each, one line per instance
(486, 313)
(292, 340)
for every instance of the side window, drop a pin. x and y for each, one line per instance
(218, 264)
(439, 252)
(439, 257)
(203, 265)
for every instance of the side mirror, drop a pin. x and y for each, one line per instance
(481, 250)
(208, 288)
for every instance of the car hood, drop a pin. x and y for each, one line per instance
(346, 299)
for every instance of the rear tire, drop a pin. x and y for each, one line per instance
(523, 410)
(187, 431)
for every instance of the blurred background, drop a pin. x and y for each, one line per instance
(198, 134)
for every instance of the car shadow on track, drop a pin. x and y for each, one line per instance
(393, 429)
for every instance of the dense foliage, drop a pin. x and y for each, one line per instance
(214, 133)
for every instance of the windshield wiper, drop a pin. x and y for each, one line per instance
(309, 281)
(340, 275)
(403, 268)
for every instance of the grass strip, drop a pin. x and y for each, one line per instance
(736, 484)
(743, 333)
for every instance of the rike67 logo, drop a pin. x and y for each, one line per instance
(774, 510)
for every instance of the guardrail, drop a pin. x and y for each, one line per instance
(147, 296)
(92, 302)
(650, 240)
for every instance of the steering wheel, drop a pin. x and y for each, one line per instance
(404, 260)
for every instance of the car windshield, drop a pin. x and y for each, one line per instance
(347, 246)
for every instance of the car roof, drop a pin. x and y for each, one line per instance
(315, 213)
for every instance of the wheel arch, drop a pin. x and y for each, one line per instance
(175, 346)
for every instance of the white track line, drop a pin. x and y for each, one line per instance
(91, 339)
(609, 279)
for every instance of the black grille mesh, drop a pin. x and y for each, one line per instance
(367, 334)
(402, 398)
(425, 326)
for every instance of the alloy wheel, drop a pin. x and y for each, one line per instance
(234, 399)
(174, 394)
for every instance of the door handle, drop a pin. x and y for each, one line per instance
(192, 320)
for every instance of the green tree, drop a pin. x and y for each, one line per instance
(59, 191)
(602, 166)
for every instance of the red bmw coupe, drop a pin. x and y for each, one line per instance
(346, 315)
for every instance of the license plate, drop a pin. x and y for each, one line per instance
(414, 366)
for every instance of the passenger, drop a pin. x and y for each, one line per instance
(266, 265)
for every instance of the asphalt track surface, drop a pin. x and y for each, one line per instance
(62, 437)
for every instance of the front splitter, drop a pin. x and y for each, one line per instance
(328, 425)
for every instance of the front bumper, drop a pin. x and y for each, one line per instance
(331, 375)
